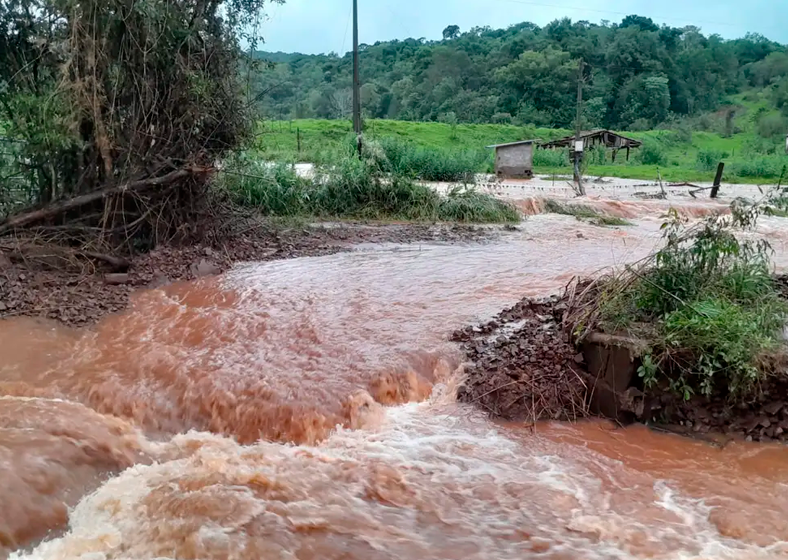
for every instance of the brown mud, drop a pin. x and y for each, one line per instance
(41, 285)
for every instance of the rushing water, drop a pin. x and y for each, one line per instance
(303, 409)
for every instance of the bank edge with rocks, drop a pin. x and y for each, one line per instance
(78, 291)
(525, 366)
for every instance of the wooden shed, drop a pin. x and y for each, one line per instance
(593, 138)
(514, 160)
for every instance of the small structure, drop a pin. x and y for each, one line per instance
(593, 138)
(514, 160)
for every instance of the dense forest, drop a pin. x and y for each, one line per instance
(637, 76)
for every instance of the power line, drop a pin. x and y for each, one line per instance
(613, 12)
(347, 26)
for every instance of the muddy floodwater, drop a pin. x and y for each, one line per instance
(304, 409)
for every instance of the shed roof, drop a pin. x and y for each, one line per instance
(608, 137)
(519, 142)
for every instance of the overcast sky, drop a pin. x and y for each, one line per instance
(317, 26)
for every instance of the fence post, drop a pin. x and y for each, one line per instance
(715, 189)
(298, 139)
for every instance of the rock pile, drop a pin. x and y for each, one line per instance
(523, 366)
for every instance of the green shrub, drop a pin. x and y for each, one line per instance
(772, 125)
(274, 189)
(767, 167)
(706, 304)
(595, 156)
(679, 136)
(707, 160)
(652, 153)
(756, 145)
(502, 118)
(722, 341)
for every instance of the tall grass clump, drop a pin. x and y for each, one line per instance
(550, 158)
(451, 166)
(353, 188)
(705, 304)
(767, 167)
(465, 205)
(275, 189)
(356, 188)
(583, 213)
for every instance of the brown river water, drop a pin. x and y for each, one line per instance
(304, 409)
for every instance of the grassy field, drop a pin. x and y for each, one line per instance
(675, 156)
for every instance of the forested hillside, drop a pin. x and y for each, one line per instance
(638, 76)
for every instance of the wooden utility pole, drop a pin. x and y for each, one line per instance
(356, 80)
(578, 147)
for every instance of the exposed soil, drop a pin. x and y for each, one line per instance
(78, 292)
(523, 366)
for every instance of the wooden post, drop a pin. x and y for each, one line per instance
(578, 154)
(298, 139)
(715, 189)
(356, 80)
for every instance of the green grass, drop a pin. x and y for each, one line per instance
(584, 213)
(354, 189)
(320, 140)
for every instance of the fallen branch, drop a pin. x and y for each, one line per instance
(117, 263)
(56, 208)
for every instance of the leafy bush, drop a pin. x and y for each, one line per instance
(772, 125)
(595, 156)
(274, 189)
(502, 118)
(705, 303)
(652, 153)
(678, 136)
(639, 125)
(722, 340)
(707, 160)
(756, 145)
(767, 167)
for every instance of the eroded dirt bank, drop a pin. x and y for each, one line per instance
(42, 283)
(522, 367)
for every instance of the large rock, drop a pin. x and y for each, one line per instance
(205, 268)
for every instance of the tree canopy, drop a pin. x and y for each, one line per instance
(637, 74)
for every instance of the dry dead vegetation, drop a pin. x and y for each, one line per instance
(116, 113)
